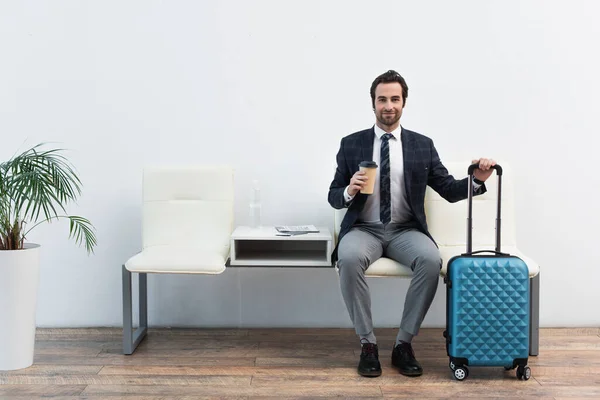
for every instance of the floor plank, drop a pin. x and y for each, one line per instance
(126, 380)
(40, 391)
(119, 359)
(278, 390)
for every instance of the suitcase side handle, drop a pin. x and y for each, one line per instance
(497, 253)
(470, 171)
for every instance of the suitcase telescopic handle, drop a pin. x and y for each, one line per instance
(470, 171)
(473, 167)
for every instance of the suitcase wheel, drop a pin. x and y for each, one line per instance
(461, 373)
(523, 373)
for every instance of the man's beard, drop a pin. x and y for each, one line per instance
(388, 120)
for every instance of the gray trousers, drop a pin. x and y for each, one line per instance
(364, 244)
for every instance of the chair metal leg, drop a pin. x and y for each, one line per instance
(127, 311)
(534, 315)
(143, 300)
(131, 338)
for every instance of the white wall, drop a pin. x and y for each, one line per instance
(271, 87)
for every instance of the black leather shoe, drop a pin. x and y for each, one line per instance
(403, 358)
(369, 361)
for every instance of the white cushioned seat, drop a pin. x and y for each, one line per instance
(187, 220)
(388, 267)
(176, 259)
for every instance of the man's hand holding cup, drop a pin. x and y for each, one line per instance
(364, 179)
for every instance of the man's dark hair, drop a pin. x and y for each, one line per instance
(389, 77)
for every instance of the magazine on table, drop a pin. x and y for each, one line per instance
(296, 229)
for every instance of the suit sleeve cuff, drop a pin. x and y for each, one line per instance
(347, 197)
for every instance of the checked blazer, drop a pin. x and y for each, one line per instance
(422, 167)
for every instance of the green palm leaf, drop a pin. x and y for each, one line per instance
(36, 186)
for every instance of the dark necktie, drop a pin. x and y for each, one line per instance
(385, 211)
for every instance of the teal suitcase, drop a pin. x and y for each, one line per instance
(487, 305)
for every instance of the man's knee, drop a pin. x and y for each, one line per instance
(429, 264)
(352, 260)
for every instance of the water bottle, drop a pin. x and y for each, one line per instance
(255, 206)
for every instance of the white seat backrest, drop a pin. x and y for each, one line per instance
(447, 222)
(188, 206)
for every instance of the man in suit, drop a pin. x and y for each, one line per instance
(391, 221)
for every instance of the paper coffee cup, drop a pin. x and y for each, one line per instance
(370, 168)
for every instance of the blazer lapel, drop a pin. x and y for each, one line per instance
(408, 156)
(367, 145)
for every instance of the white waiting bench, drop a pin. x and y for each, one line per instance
(187, 225)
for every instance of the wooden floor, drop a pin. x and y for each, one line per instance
(285, 364)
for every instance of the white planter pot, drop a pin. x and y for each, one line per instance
(19, 279)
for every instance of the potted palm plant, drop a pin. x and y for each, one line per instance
(35, 187)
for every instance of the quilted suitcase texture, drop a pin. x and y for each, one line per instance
(487, 300)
